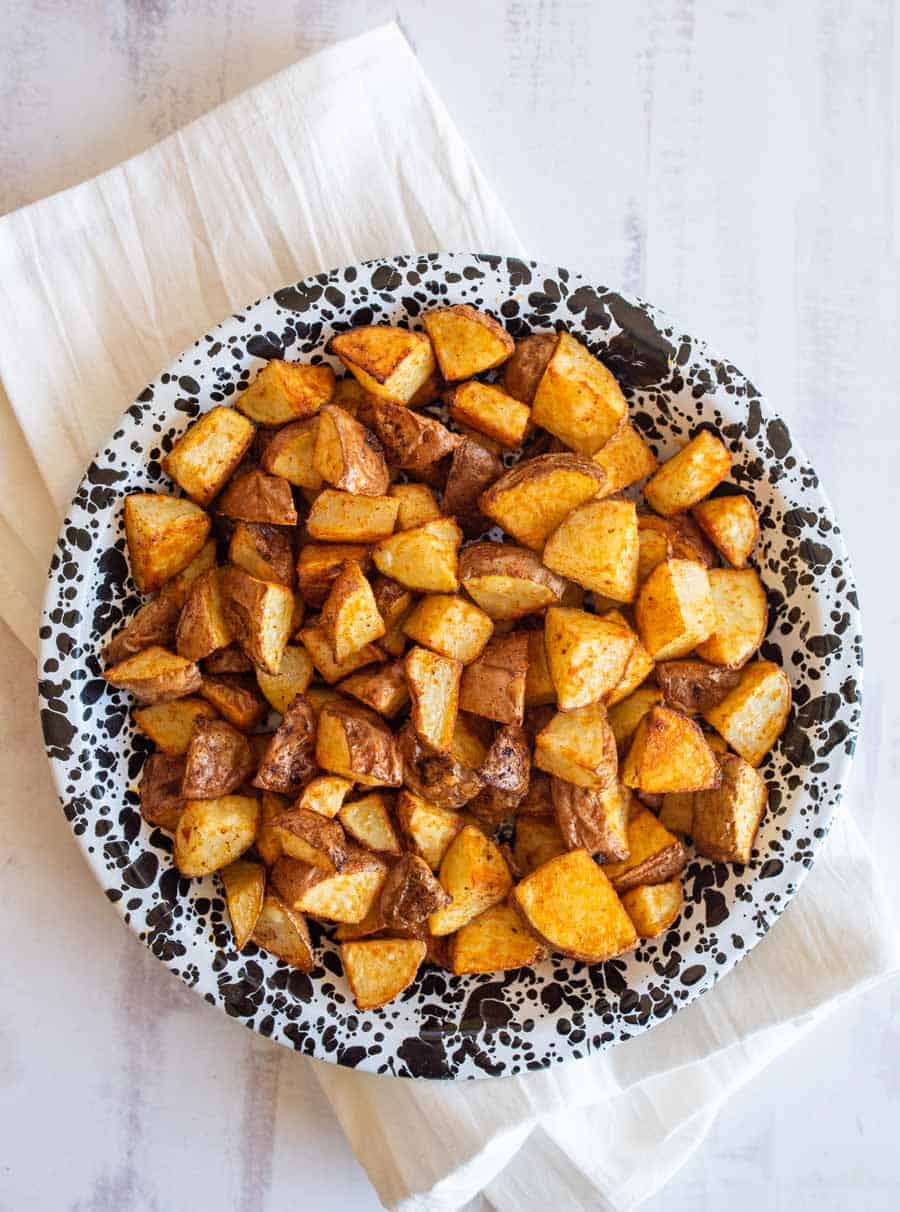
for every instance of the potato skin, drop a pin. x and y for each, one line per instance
(218, 761)
(693, 686)
(473, 469)
(526, 367)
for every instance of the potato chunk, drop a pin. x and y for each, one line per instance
(389, 363)
(356, 744)
(578, 746)
(752, 717)
(484, 407)
(236, 698)
(473, 469)
(341, 517)
(726, 819)
(508, 582)
(669, 753)
(654, 907)
(379, 969)
(202, 625)
(625, 716)
(349, 456)
(204, 457)
(587, 655)
(578, 400)
(319, 565)
(675, 611)
(317, 644)
(417, 504)
(475, 875)
(413, 442)
(466, 341)
(597, 547)
(289, 454)
(742, 615)
(538, 840)
(383, 688)
(654, 854)
(169, 725)
(263, 551)
(539, 688)
(286, 391)
(219, 761)
(495, 941)
(368, 822)
(350, 618)
(732, 525)
(293, 676)
(638, 667)
(155, 676)
(525, 369)
(162, 802)
(213, 833)
(245, 888)
(626, 458)
(164, 534)
(423, 557)
(690, 475)
(325, 794)
(283, 933)
(693, 686)
(288, 762)
(450, 626)
(342, 896)
(493, 686)
(592, 820)
(533, 498)
(259, 615)
(433, 682)
(570, 904)
(312, 838)
(430, 829)
(255, 496)
(155, 623)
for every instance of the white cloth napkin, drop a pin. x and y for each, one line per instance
(349, 155)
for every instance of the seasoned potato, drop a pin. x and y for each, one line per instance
(202, 626)
(466, 341)
(654, 854)
(525, 369)
(353, 398)
(450, 626)
(169, 725)
(495, 941)
(732, 525)
(164, 535)
(293, 676)
(689, 476)
(475, 876)
(259, 615)
(725, 819)
(288, 762)
(343, 896)
(286, 391)
(341, 517)
(433, 682)
(493, 686)
(473, 469)
(538, 800)
(154, 625)
(245, 888)
(592, 820)
(268, 840)
(417, 504)
(675, 611)
(752, 717)
(204, 457)
(587, 655)
(429, 829)
(389, 363)
(539, 687)
(578, 400)
(413, 442)
(368, 822)
(349, 456)
(232, 659)
(625, 716)
(255, 496)
(597, 546)
(325, 794)
(218, 761)
(317, 644)
(356, 744)
(490, 411)
(236, 698)
(350, 618)
(213, 833)
(410, 895)
(423, 557)
(570, 904)
(319, 565)
(538, 840)
(283, 933)
(653, 547)
(653, 907)
(383, 688)
(683, 537)
(155, 676)
(311, 837)
(378, 970)
(669, 753)
(289, 454)
(638, 667)
(162, 802)
(180, 585)
(677, 811)
(263, 551)
(532, 499)
(742, 614)
(626, 458)
(692, 686)
(508, 582)
(578, 746)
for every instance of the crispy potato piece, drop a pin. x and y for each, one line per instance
(626, 458)
(466, 341)
(255, 496)
(578, 746)
(423, 557)
(653, 548)
(625, 716)
(341, 517)
(263, 551)
(475, 875)
(690, 475)
(505, 772)
(532, 498)
(213, 833)
(430, 829)
(587, 655)
(245, 888)
(742, 616)
(169, 725)
(725, 819)
(732, 525)
(578, 400)
(368, 822)
(471, 737)
(417, 505)
(353, 398)
(268, 839)
(525, 369)
(752, 717)
(654, 907)
(312, 838)
(160, 791)
(410, 894)
(569, 904)
(343, 896)
(444, 779)
(591, 820)
(292, 678)
(490, 411)
(413, 442)
(203, 627)
(473, 469)
(289, 454)
(325, 795)
(450, 626)
(379, 969)
(638, 667)
(692, 686)
(316, 643)
(597, 546)
(433, 682)
(669, 753)
(231, 659)
(538, 800)
(383, 688)
(319, 565)
(236, 698)
(164, 535)
(675, 611)
(204, 457)
(155, 676)
(538, 840)
(283, 933)
(495, 941)
(677, 811)
(539, 688)
(508, 582)
(350, 618)
(493, 686)
(356, 744)
(180, 585)
(389, 363)
(154, 625)
(349, 456)
(289, 763)
(654, 854)
(219, 761)
(286, 391)
(259, 615)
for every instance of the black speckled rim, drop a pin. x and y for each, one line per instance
(499, 1024)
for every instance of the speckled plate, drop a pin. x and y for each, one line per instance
(443, 1026)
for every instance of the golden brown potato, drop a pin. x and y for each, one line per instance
(263, 551)
(625, 716)
(538, 840)
(350, 618)
(319, 564)
(578, 746)
(356, 744)
(317, 644)
(289, 761)
(203, 627)
(654, 547)
(449, 625)
(669, 753)
(475, 875)
(538, 800)
(677, 811)
(578, 400)
(312, 838)
(692, 686)
(653, 908)
(413, 442)
(752, 717)
(219, 760)
(675, 611)
(268, 840)
(473, 469)
(410, 894)
(587, 655)
(204, 457)
(490, 411)
(259, 615)
(725, 819)
(382, 688)
(433, 682)
(525, 369)
(236, 698)
(532, 498)
(417, 504)
(596, 545)
(626, 458)
(289, 454)
(569, 903)
(162, 802)
(341, 517)
(255, 496)
(353, 398)
(232, 659)
(638, 667)
(389, 363)
(283, 933)
(684, 540)
(539, 688)
(325, 794)
(154, 625)
(495, 941)
(169, 725)
(349, 456)
(368, 822)
(155, 676)
(343, 896)
(466, 342)
(493, 686)
(689, 476)
(508, 582)
(654, 854)
(591, 820)
(245, 887)
(293, 676)
(732, 525)
(423, 558)
(429, 829)
(180, 585)
(286, 391)
(379, 969)
(164, 535)
(213, 833)
(742, 615)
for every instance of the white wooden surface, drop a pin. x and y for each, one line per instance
(733, 160)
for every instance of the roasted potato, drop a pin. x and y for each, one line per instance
(410, 894)
(692, 686)
(578, 400)
(231, 659)
(317, 644)
(390, 363)
(753, 716)
(626, 458)
(675, 611)
(349, 456)
(319, 565)
(160, 791)
(202, 626)
(490, 411)
(368, 822)
(413, 442)
(379, 969)
(350, 618)
(355, 743)
(382, 688)
(341, 517)
(669, 753)
(263, 551)
(423, 557)
(283, 933)
(731, 524)
(449, 625)
(289, 760)
(473, 469)
(530, 500)
(219, 761)
(289, 454)
(236, 698)
(653, 908)
(213, 833)
(625, 716)
(592, 820)
(325, 794)
(596, 545)
(259, 615)
(525, 369)
(678, 538)
(725, 819)
(446, 780)
(164, 535)
(638, 667)
(578, 746)
(417, 504)
(538, 800)
(245, 888)
(155, 676)
(169, 725)
(154, 626)
(255, 496)
(539, 688)
(654, 854)
(495, 941)
(493, 686)
(286, 391)
(429, 829)
(587, 655)
(475, 875)
(677, 811)
(343, 896)
(688, 476)
(508, 582)
(538, 840)
(293, 677)
(742, 615)
(433, 683)
(204, 457)
(466, 342)
(312, 838)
